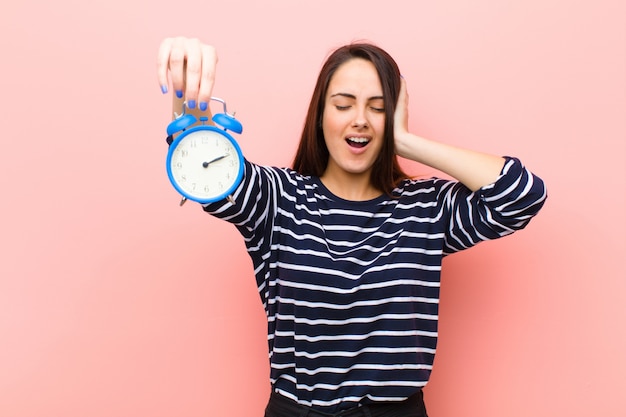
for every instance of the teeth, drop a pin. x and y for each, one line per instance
(358, 140)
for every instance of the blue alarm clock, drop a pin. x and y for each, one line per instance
(204, 163)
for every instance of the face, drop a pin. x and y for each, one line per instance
(354, 119)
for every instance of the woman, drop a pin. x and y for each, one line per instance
(346, 249)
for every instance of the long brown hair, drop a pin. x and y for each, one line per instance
(312, 154)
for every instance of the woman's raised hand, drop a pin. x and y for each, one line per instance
(401, 117)
(191, 66)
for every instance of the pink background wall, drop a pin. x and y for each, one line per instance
(116, 302)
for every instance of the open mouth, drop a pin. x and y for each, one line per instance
(357, 142)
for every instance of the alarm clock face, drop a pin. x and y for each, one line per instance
(205, 165)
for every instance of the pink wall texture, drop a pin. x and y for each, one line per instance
(116, 302)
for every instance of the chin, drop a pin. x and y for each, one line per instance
(359, 171)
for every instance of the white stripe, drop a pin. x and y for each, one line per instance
(363, 303)
(327, 338)
(377, 253)
(358, 383)
(373, 286)
(354, 277)
(346, 354)
(364, 366)
(355, 320)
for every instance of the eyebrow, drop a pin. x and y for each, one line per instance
(352, 96)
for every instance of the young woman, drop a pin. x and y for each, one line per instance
(346, 248)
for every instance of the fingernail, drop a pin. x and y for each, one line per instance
(203, 105)
(191, 104)
(164, 89)
(179, 93)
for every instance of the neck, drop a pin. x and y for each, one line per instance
(353, 187)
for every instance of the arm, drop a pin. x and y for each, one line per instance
(473, 169)
(496, 196)
(493, 211)
(191, 66)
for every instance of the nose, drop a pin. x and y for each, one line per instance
(360, 120)
(360, 124)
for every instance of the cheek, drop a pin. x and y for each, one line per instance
(331, 124)
(380, 121)
(378, 126)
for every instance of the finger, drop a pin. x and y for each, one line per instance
(403, 97)
(207, 80)
(401, 114)
(163, 63)
(177, 65)
(193, 71)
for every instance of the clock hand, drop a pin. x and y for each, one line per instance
(206, 164)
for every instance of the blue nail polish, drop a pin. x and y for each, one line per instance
(164, 89)
(203, 105)
(191, 104)
(179, 93)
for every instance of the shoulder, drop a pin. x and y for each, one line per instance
(285, 180)
(422, 186)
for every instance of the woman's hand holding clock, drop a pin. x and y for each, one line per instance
(191, 65)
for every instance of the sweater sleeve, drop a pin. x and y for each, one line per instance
(495, 210)
(254, 205)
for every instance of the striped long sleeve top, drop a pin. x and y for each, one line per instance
(351, 288)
